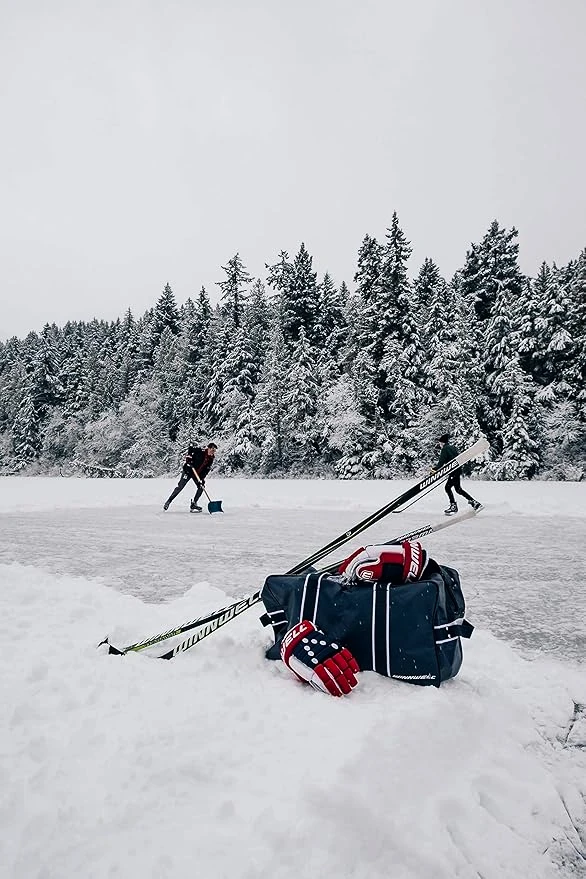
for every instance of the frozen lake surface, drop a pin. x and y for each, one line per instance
(522, 560)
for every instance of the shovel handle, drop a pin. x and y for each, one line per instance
(198, 480)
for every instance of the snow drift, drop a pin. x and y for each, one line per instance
(220, 764)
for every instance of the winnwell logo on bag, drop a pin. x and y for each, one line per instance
(415, 677)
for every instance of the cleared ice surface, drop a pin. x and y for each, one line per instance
(522, 560)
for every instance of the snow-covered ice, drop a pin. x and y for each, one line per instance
(219, 763)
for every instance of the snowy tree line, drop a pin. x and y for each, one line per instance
(298, 375)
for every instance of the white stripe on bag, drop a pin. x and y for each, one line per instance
(317, 596)
(303, 598)
(389, 629)
(373, 612)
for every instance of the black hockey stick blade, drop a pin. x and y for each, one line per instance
(113, 651)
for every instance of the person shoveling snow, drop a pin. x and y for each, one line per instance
(197, 465)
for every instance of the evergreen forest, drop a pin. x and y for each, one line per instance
(296, 375)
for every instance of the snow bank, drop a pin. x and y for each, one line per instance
(219, 764)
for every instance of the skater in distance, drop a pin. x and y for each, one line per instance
(448, 453)
(197, 465)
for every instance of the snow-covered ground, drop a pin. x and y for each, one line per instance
(218, 763)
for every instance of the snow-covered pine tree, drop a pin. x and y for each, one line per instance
(564, 455)
(26, 427)
(367, 457)
(439, 326)
(463, 387)
(496, 262)
(528, 314)
(6, 367)
(301, 408)
(236, 402)
(195, 345)
(46, 389)
(279, 278)
(336, 390)
(257, 322)
(404, 400)
(331, 329)
(109, 366)
(554, 345)
(521, 434)
(577, 373)
(127, 356)
(195, 327)
(234, 290)
(75, 379)
(393, 317)
(491, 269)
(269, 405)
(145, 345)
(166, 379)
(150, 328)
(37, 392)
(346, 433)
(165, 316)
(510, 394)
(428, 291)
(397, 344)
(299, 302)
(208, 410)
(556, 354)
(13, 378)
(368, 295)
(95, 390)
(451, 372)
(470, 275)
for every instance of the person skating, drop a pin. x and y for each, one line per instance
(448, 453)
(201, 461)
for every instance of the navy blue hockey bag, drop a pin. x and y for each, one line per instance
(411, 632)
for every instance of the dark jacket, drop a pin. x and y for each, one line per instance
(200, 460)
(448, 453)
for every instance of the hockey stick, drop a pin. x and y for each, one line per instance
(226, 614)
(415, 535)
(420, 488)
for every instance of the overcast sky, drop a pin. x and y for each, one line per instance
(145, 142)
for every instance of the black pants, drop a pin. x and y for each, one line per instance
(453, 482)
(183, 480)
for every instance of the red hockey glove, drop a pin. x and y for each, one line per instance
(313, 658)
(387, 563)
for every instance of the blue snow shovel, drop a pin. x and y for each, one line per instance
(213, 506)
